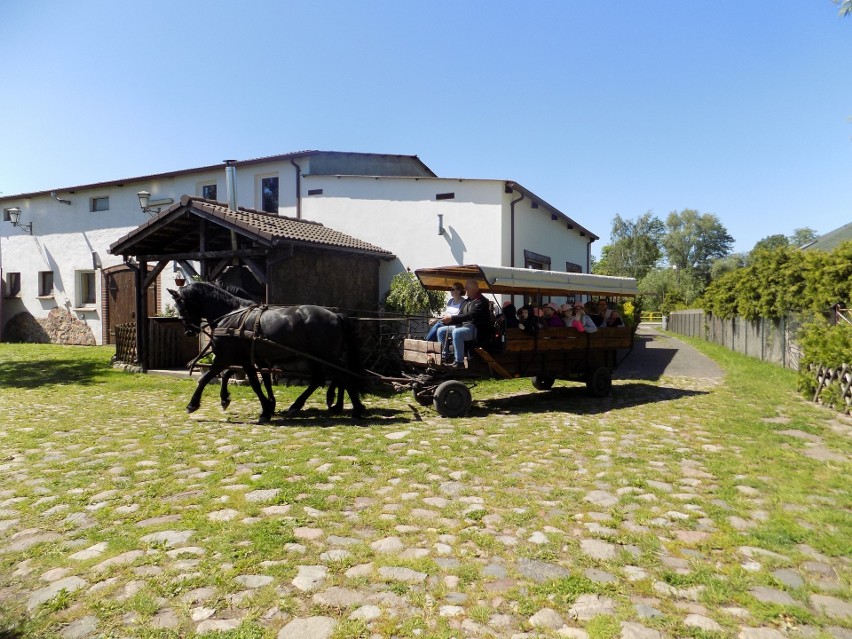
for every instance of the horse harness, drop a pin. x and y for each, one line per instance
(240, 329)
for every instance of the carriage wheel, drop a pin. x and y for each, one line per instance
(542, 382)
(452, 399)
(599, 382)
(422, 396)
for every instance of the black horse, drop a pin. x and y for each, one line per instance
(252, 336)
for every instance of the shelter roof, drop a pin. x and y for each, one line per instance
(517, 281)
(177, 230)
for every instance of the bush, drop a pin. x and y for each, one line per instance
(408, 297)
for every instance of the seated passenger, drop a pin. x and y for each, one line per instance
(510, 315)
(566, 312)
(526, 322)
(614, 320)
(601, 313)
(473, 323)
(581, 321)
(550, 316)
(452, 307)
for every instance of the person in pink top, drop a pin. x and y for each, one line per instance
(550, 315)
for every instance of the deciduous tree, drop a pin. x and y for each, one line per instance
(693, 240)
(635, 247)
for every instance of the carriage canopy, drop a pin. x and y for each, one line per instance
(518, 281)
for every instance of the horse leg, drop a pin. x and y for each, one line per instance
(358, 409)
(195, 401)
(224, 393)
(335, 385)
(317, 380)
(266, 406)
(267, 383)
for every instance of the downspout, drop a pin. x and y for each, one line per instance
(512, 228)
(589, 256)
(298, 189)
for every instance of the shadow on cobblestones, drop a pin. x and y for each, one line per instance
(575, 399)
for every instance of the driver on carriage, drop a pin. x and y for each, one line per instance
(471, 324)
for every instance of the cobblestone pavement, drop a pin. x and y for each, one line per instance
(521, 520)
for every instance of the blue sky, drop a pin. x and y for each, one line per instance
(740, 109)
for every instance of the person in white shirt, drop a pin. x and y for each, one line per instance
(452, 308)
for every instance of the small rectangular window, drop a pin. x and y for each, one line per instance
(570, 267)
(445, 196)
(100, 204)
(208, 192)
(6, 216)
(269, 194)
(314, 191)
(86, 288)
(13, 284)
(45, 283)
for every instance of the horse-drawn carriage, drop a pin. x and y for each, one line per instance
(545, 355)
(262, 339)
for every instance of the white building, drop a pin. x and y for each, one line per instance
(54, 260)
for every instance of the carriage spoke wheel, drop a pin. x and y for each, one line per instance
(599, 382)
(542, 382)
(422, 396)
(452, 399)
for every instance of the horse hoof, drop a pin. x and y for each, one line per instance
(334, 409)
(191, 409)
(264, 419)
(225, 403)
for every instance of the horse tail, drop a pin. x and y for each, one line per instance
(354, 362)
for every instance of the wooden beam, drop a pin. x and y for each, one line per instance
(152, 276)
(208, 255)
(259, 274)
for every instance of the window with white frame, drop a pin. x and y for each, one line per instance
(86, 289)
(269, 193)
(99, 204)
(13, 285)
(45, 283)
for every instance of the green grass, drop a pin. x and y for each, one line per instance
(72, 427)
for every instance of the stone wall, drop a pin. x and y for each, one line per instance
(59, 327)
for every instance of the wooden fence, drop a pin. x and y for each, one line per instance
(168, 347)
(767, 340)
(827, 378)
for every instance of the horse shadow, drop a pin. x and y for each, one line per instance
(321, 418)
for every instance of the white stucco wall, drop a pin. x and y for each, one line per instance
(397, 214)
(401, 216)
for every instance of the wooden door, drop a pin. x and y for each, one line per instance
(120, 286)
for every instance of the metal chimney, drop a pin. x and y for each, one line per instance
(231, 183)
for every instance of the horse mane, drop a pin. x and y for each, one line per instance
(237, 291)
(215, 291)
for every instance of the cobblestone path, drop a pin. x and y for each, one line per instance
(539, 515)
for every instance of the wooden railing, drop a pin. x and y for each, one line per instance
(652, 317)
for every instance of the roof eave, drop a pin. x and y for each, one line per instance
(572, 224)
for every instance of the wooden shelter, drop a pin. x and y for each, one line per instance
(281, 260)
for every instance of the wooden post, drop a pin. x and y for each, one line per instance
(142, 314)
